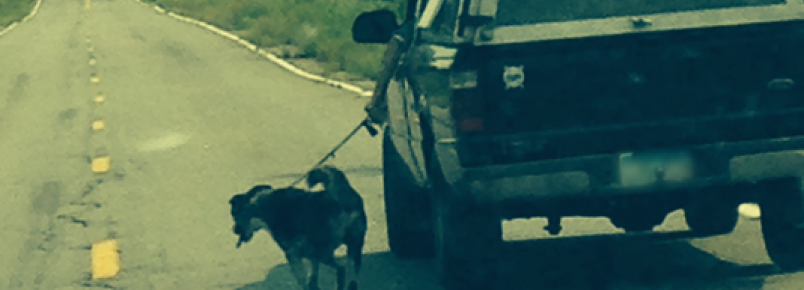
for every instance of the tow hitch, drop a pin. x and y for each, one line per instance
(553, 226)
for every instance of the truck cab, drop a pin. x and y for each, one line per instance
(506, 109)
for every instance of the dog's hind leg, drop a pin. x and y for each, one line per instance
(354, 250)
(299, 271)
(341, 271)
(355, 254)
(313, 283)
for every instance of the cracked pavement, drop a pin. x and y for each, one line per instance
(191, 119)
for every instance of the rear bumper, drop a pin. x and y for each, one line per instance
(596, 176)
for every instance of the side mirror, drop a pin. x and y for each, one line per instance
(374, 27)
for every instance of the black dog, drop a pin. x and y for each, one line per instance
(305, 224)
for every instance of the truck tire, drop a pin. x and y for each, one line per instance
(468, 237)
(407, 209)
(468, 241)
(783, 223)
(711, 218)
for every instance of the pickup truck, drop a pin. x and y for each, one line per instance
(626, 109)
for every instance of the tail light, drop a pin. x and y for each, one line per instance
(469, 115)
(468, 104)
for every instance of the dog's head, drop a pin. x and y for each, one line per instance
(242, 211)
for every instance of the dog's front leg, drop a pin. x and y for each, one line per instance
(313, 283)
(299, 271)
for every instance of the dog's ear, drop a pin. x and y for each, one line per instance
(238, 199)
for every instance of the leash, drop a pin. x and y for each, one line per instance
(363, 124)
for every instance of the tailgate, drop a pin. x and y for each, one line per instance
(641, 92)
(632, 79)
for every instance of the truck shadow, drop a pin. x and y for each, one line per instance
(589, 262)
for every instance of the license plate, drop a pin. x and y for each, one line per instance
(650, 168)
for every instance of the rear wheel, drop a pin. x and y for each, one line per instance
(468, 236)
(712, 216)
(468, 240)
(783, 223)
(407, 207)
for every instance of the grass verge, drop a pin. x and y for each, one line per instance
(14, 10)
(321, 29)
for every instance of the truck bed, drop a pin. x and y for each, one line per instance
(521, 12)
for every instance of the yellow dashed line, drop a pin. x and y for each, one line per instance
(90, 49)
(100, 99)
(101, 164)
(93, 62)
(98, 125)
(95, 80)
(105, 259)
(87, 4)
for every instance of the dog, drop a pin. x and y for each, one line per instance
(305, 224)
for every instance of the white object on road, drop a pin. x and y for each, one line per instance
(166, 142)
(750, 211)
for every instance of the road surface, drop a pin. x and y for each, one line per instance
(189, 119)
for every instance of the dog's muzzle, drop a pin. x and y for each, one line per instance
(237, 230)
(242, 237)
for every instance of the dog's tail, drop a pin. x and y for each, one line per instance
(328, 176)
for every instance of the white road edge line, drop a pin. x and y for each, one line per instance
(25, 19)
(272, 57)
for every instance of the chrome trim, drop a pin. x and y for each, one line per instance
(440, 57)
(792, 11)
(485, 8)
(429, 14)
(447, 141)
(770, 165)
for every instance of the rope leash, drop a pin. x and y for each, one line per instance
(363, 124)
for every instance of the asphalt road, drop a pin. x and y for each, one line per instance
(191, 119)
